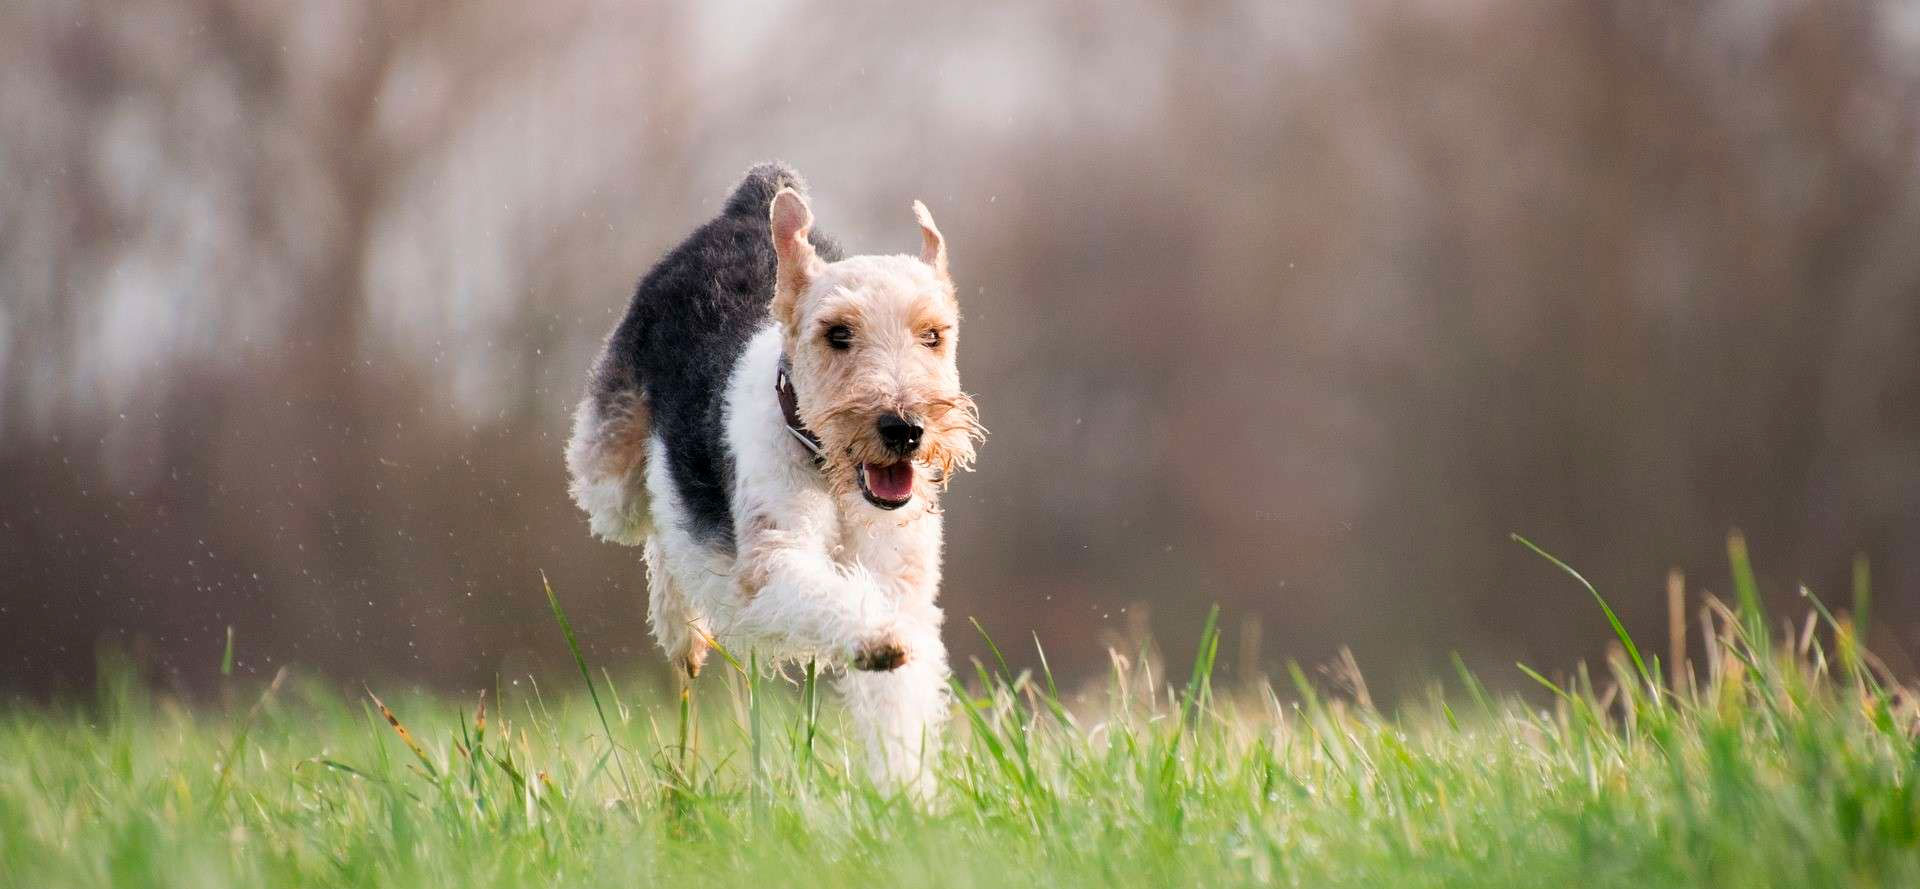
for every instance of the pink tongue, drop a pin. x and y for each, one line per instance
(892, 482)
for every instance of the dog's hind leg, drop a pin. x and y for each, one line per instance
(681, 631)
(683, 634)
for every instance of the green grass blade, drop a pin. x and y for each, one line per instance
(1006, 672)
(1747, 591)
(1613, 620)
(1052, 697)
(580, 660)
(240, 740)
(755, 732)
(1200, 681)
(1549, 684)
(1475, 689)
(810, 713)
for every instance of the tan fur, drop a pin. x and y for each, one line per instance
(620, 448)
(606, 465)
(757, 539)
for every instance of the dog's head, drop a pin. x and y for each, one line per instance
(872, 341)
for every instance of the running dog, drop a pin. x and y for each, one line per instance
(774, 422)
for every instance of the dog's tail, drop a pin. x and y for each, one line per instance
(755, 193)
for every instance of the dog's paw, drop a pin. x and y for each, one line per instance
(879, 656)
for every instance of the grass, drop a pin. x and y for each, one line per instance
(1772, 764)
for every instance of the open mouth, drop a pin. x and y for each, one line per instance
(889, 486)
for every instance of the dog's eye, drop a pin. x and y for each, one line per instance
(931, 338)
(840, 336)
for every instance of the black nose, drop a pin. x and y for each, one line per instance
(900, 436)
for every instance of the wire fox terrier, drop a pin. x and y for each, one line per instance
(793, 416)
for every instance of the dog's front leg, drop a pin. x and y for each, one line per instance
(898, 714)
(801, 601)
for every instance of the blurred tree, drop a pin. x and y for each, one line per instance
(1296, 307)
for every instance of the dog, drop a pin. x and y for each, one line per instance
(774, 422)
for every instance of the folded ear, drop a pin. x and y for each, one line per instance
(791, 221)
(933, 247)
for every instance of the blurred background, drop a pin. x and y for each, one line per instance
(1299, 307)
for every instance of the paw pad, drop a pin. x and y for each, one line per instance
(881, 657)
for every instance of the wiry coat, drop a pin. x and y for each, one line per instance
(680, 444)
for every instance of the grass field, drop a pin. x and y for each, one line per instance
(1789, 761)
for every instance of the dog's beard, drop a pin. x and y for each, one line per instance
(856, 458)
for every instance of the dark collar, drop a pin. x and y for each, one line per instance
(790, 412)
